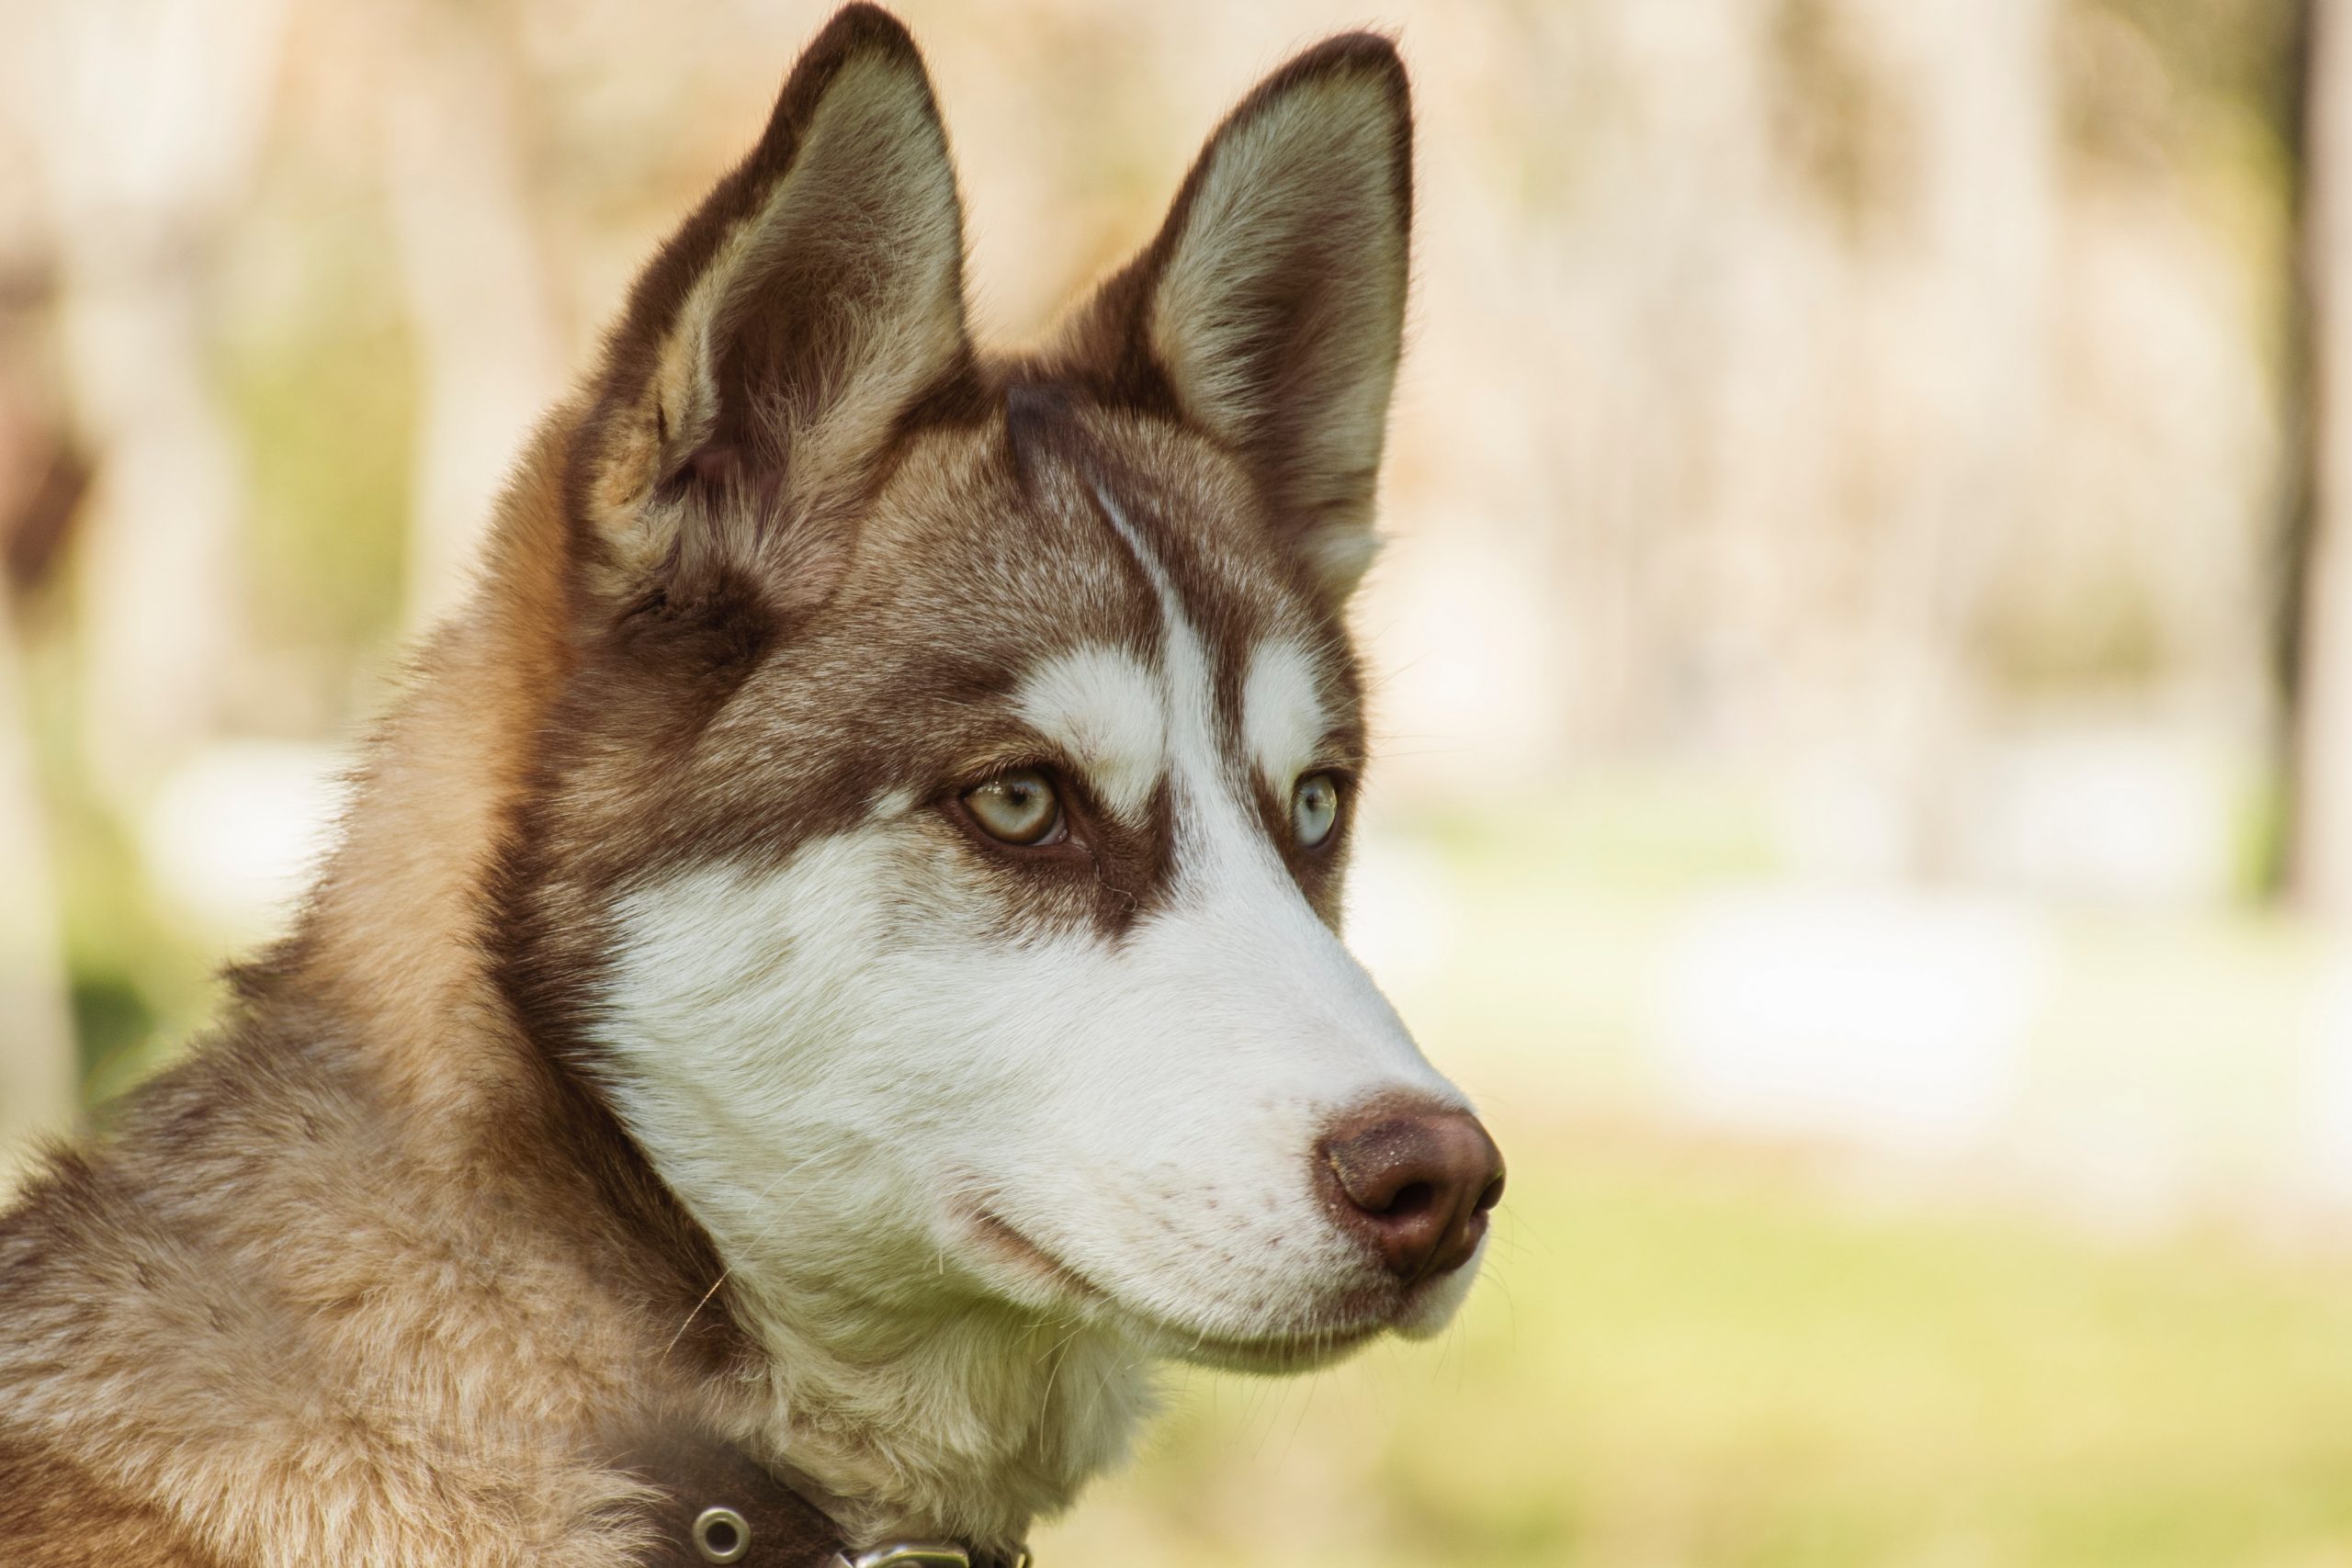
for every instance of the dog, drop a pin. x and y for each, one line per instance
(830, 968)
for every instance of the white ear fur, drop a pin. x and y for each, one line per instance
(1279, 305)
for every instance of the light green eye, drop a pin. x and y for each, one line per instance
(1019, 808)
(1314, 809)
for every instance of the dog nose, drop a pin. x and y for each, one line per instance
(1416, 1184)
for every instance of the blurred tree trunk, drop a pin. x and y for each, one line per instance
(1955, 276)
(488, 355)
(39, 1087)
(144, 117)
(2321, 685)
(39, 492)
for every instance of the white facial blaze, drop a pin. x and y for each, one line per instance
(1270, 1029)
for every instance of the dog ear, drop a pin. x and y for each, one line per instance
(770, 351)
(1271, 307)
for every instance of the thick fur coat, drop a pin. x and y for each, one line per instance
(678, 1037)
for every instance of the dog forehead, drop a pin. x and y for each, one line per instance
(1000, 541)
(961, 551)
(1114, 620)
(996, 592)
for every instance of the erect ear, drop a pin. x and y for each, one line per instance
(771, 349)
(1272, 304)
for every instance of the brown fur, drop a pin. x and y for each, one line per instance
(374, 1275)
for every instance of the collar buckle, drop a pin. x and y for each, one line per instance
(921, 1554)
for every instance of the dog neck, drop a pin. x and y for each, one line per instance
(964, 1421)
(390, 929)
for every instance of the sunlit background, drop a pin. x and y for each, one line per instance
(1864, 661)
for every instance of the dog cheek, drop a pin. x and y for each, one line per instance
(1167, 1177)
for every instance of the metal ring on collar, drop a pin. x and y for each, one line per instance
(721, 1535)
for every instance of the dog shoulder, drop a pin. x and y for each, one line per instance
(236, 1336)
(59, 1243)
(54, 1514)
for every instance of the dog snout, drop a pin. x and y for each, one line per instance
(1415, 1183)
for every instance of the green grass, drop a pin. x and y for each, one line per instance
(1685, 1361)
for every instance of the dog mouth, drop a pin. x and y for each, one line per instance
(1008, 1243)
(1280, 1351)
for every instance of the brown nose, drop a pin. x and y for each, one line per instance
(1416, 1184)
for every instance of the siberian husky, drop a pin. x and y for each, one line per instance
(830, 972)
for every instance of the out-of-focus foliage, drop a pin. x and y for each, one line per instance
(1843, 488)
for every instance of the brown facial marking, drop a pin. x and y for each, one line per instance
(682, 739)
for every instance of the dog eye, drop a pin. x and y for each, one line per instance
(1314, 809)
(1019, 808)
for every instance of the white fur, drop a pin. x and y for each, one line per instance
(1104, 710)
(863, 1087)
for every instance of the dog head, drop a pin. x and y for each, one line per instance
(935, 857)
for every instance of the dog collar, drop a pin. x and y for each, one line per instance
(717, 1505)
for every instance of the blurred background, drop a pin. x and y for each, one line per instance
(1865, 667)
